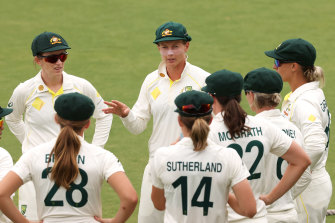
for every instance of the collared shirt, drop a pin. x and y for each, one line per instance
(156, 99)
(253, 147)
(276, 166)
(84, 201)
(34, 101)
(178, 169)
(307, 108)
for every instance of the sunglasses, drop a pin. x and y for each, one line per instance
(54, 58)
(191, 109)
(278, 63)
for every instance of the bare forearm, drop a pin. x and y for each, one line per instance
(125, 211)
(8, 207)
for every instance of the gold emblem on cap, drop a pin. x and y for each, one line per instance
(167, 32)
(55, 40)
(41, 87)
(162, 75)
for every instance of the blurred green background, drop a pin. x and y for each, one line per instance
(112, 47)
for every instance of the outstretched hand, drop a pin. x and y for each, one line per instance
(117, 108)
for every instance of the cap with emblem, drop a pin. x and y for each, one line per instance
(48, 42)
(194, 104)
(5, 111)
(224, 83)
(74, 107)
(294, 50)
(171, 31)
(263, 80)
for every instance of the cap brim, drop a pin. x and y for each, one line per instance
(205, 89)
(272, 54)
(169, 39)
(56, 48)
(5, 111)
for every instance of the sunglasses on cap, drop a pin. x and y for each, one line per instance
(54, 58)
(278, 63)
(191, 109)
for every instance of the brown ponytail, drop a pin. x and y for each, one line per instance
(199, 127)
(65, 169)
(234, 115)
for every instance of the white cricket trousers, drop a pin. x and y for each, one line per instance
(147, 213)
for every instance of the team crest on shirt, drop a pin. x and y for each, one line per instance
(167, 32)
(23, 209)
(187, 88)
(10, 104)
(55, 40)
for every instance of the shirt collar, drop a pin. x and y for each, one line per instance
(42, 87)
(292, 96)
(269, 113)
(162, 69)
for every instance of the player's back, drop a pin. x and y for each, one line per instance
(196, 184)
(82, 201)
(252, 146)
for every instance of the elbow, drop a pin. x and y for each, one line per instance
(251, 211)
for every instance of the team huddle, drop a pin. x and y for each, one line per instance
(209, 161)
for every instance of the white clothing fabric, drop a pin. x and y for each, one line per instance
(196, 184)
(56, 204)
(253, 147)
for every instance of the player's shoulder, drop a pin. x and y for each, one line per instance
(26, 87)
(197, 70)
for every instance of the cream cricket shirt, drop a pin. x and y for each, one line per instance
(56, 204)
(307, 108)
(196, 184)
(156, 99)
(253, 147)
(6, 163)
(32, 120)
(276, 166)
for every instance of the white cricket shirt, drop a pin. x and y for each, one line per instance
(196, 184)
(253, 147)
(307, 108)
(156, 99)
(56, 204)
(33, 118)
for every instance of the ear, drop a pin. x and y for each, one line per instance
(187, 45)
(37, 60)
(56, 119)
(181, 124)
(88, 124)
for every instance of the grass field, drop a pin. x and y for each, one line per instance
(112, 48)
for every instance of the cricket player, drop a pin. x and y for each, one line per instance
(253, 138)
(6, 161)
(306, 107)
(192, 178)
(159, 89)
(32, 120)
(264, 86)
(68, 172)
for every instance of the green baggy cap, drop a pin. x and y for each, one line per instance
(194, 104)
(263, 80)
(294, 50)
(48, 42)
(171, 31)
(74, 107)
(224, 83)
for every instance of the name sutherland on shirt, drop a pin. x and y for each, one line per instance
(254, 131)
(194, 166)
